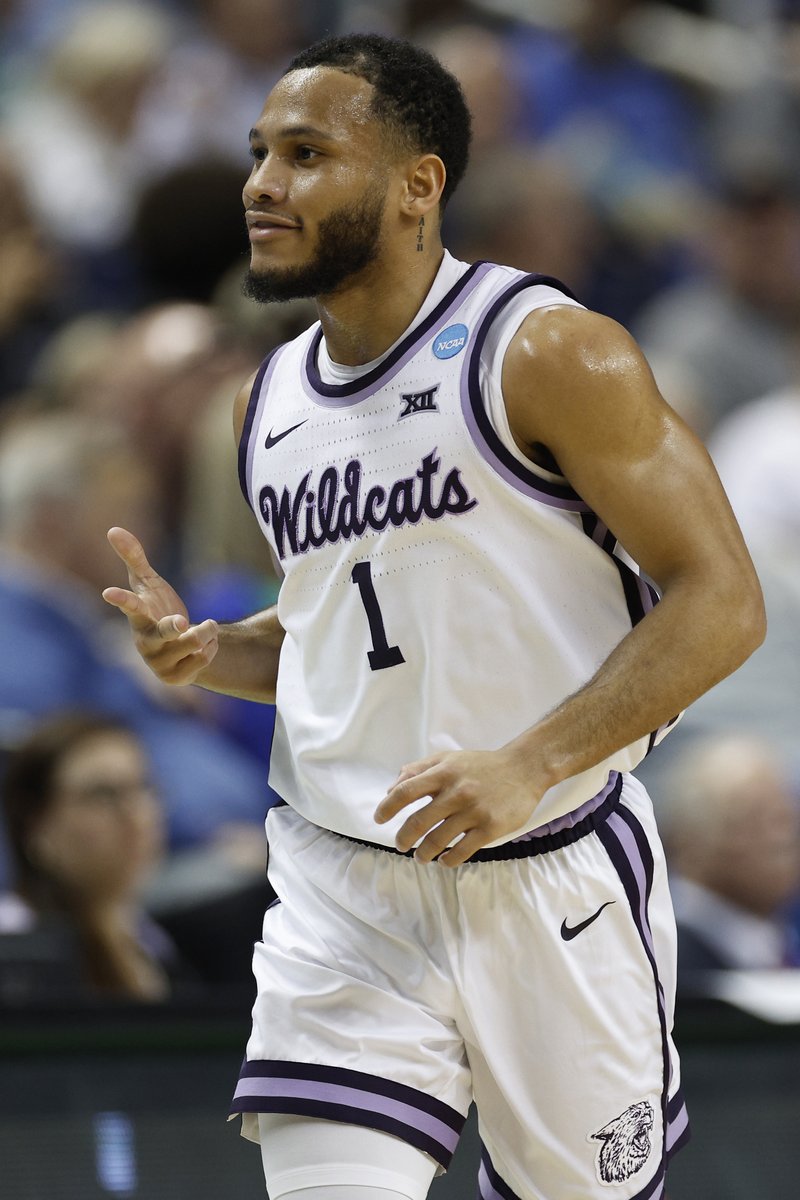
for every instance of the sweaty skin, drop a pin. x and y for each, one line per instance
(597, 411)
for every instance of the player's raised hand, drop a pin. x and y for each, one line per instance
(173, 649)
(476, 796)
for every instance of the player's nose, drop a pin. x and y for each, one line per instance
(265, 184)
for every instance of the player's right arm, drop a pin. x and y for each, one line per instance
(237, 659)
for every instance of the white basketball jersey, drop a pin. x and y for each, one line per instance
(441, 592)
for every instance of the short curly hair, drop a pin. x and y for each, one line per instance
(415, 96)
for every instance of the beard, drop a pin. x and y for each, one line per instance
(347, 242)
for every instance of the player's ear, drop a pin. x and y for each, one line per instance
(423, 185)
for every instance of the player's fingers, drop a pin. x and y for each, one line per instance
(130, 604)
(186, 669)
(130, 550)
(439, 838)
(171, 627)
(194, 638)
(416, 768)
(404, 792)
(422, 822)
(173, 639)
(472, 841)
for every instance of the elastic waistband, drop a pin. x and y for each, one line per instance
(533, 843)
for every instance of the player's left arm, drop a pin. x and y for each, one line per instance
(577, 383)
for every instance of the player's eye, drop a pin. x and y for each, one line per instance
(306, 153)
(258, 153)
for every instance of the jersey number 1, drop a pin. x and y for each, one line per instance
(382, 654)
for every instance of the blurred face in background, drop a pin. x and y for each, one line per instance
(258, 30)
(102, 831)
(755, 861)
(757, 247)
(116, 491)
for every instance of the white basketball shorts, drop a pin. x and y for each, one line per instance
(392, 994)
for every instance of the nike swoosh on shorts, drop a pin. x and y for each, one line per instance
(569, 932)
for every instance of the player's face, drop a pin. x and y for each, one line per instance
(316, 194)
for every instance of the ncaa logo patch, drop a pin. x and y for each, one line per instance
(450, 341)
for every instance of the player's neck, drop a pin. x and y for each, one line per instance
(362, 321)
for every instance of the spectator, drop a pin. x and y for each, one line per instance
(28, 306)
(627, 133)
(733, 328)
(478, 57)
(85, 830)
(757, 451)
(167, 364)
(87, 97)
(732, 838)
(214, 79)
(85, 101)
(63, 480)
(539, 220)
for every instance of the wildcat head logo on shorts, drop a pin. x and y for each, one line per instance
(450, 341)
(626, 1143)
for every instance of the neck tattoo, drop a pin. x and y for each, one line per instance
(420, 235)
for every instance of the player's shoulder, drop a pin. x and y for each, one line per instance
(561, 342)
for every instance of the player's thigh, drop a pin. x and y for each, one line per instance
(567, 1020)
(355, 997)
(308, 1154)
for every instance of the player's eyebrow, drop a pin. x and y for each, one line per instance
(295, 131)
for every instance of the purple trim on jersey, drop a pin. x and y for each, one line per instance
(353, 1097)
(627, 845)
(341, 395)
(252, 420)
(640, 596)
(571, 819)
(481, 430)
(490, 1185)
(656, 734)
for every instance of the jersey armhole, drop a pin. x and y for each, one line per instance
(255, 407)
(493, 354)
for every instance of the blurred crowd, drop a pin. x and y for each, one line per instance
(646, 153)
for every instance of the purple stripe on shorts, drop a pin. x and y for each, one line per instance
(490, 1185)
(654, 1190)
(332, 395)
(361, 1080)
(330, 1093)
(626, 844)
(678, 1126)
(353, 1097)
(640, 897)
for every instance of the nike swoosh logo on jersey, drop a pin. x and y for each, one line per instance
(569, 932)
(271, 439)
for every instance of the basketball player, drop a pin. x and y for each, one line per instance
(467, 663)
